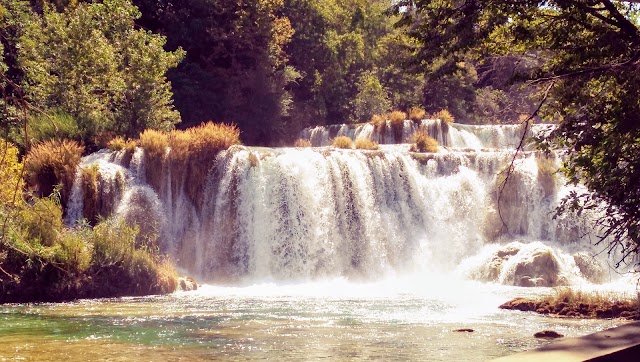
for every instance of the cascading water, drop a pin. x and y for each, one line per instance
(308, 214)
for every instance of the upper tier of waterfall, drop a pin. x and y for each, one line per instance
(454, 135)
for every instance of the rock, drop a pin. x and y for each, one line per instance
(521, 304)
(548, 334)
(540, 269)
(590, 268)
(469, 330)
(187, 284)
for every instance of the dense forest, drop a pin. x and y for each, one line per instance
(76, 75)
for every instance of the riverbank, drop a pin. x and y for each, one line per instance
(577, 304)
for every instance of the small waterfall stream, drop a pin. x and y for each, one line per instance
(303, 214)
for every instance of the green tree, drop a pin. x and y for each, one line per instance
(371, 98)
(588, 55)
(93, 64)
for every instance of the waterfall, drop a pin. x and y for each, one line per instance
(300, 214)
(454, 135)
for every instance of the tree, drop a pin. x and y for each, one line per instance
(588, 55)
(90, 62)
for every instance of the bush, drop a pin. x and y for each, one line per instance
(342, 142)
(417, 114)
(366, 144)
(124, 269)
(422, 142)
(11, 182)
(154, 143)
(42, 220)
(301, 143)
(54, 125)
(52, 163)
(444, 115)
(379, 120)
(397, 119)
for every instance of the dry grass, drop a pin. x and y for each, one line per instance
(302, 143)
(397, 119)
(366, 144)
(444, 115)
(342, 142)
(53, 163)
(154, 143)
(194, 150)
(119, 144)
(379, 120)
(417, 114)
(422, 142)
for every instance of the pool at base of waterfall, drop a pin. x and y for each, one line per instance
(394, 319)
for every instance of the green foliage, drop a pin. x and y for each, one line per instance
(11, 182)
(92, 64)
(54, 125)
(42, 220)
(371, 98)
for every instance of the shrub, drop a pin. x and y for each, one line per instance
(73, 252)
(397, 119)
(301, 143)
(342, 142)
(42, 220)
(378, 120)
(154, 143)
(417, 114)
(444, 115)
(53, 163)
(366, 144)
(422, 142)
(11, 182)
(122, 269)
(117, 144)
(54, 125)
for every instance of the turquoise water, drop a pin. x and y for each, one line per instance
(336, 320)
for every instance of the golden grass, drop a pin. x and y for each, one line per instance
(342, 142)
(154, 143)
(301, 143)
(51, 163)
(422, 142)
(379, 120)
(194, 150)
(117, 144)
(417, 114)
(397, 119)
(444, 115)
(366, 144)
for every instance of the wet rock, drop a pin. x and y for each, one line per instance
(521, 304)
(590, 268)
(468, 330)
(548, 334)
(187, 284)
(540, 269)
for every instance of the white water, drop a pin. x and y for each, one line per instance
(296, 215)
(454, 135)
